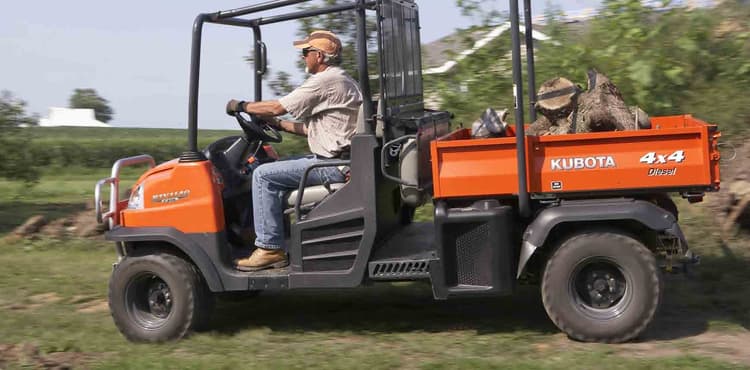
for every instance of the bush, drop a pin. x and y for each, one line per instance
(101, 147)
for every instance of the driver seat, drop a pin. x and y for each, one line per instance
(311, 196)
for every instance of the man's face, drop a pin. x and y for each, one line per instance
(311, 57)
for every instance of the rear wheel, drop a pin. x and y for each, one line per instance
(158, 297)
(601, 286)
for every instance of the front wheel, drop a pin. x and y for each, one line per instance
(601, 286)
(157, 297)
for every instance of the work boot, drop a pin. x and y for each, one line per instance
(262, 259)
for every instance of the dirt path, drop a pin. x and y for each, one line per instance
(29, 355)
(730, 346)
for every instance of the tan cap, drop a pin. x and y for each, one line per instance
(325, 41)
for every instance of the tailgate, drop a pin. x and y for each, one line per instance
(679, 154)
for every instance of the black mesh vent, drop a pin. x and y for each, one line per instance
(470, 247)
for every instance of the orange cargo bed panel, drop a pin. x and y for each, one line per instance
(680, 152)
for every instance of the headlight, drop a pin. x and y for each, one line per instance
(136, 198)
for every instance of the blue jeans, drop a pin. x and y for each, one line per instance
(271, 181)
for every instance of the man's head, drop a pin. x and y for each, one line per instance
(320, 49)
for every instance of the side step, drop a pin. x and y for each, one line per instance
(400, 269)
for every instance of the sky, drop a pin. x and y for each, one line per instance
(136, 54)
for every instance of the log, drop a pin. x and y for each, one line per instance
(540, 127)
(31, 226)
(564, 109)
(601, 108)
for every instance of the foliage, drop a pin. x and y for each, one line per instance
(282, 84)
(665, 60)
(481, 10)
(480, 81)
(16, 163)
(90, 99)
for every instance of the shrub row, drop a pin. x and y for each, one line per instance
(76, 147)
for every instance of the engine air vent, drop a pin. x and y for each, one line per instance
(399, 270)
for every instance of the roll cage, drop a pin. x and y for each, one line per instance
(400, 76)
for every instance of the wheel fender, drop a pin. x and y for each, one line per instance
(179, 240)
(646, 213)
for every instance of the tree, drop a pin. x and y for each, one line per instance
(483, 10)
(665, 60)
(282, 84)
(670, 61)
(88, 98)
(17, 161)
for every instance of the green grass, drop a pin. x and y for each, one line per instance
(44, 284)
(383, 326)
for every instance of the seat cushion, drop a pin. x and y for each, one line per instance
(312, 194)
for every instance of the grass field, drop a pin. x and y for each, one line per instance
(53, 311)
(52, 297)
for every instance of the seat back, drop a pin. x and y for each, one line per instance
(408, 164)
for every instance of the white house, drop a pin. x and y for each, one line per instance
(71, 117)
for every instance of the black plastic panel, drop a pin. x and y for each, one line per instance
(475, 250)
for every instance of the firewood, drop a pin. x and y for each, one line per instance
(540, 127)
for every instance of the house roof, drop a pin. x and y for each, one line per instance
(442, 55)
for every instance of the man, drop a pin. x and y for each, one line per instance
(328, 103)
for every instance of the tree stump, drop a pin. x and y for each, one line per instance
(556, 98)
(565, 109)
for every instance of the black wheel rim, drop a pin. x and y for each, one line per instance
(600, 288)
(148, 300)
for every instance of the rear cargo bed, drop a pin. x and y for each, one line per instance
(678, 154)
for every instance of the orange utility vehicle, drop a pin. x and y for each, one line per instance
(587, 215)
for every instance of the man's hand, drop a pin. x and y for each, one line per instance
(234, 106)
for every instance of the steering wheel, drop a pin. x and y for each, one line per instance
(256, 127)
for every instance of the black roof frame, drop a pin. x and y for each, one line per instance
(524, 206)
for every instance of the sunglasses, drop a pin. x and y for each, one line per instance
(307, 51)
